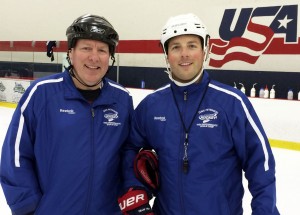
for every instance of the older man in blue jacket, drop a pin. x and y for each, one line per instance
(61, 154)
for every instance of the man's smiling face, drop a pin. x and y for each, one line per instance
(90, 59)
(185, 56)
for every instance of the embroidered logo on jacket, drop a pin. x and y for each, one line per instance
(111, 115)
(160, 118)
(208, 117)
(68, 111)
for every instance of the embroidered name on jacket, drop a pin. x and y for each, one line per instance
(111, 115)
(207, 118)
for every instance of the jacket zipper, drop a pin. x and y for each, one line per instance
(185, 157)
(185, 97)
(184, 149)
(92, 163)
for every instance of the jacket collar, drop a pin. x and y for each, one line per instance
(193, 87)
(71, 92)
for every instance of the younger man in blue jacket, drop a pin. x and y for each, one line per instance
(205, 135)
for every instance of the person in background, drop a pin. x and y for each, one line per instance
(61, 154)
(205, 134)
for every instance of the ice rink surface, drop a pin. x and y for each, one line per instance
(287, 173)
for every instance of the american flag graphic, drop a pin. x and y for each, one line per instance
(257, 31)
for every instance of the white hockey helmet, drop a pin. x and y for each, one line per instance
(181, 25)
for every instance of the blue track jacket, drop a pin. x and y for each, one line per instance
(61, 154)
(225, 137)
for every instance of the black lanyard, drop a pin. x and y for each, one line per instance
(187, 130)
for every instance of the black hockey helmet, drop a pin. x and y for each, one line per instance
(95, 28)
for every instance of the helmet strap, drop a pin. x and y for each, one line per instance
(183, 84)
(112, 64)
(72, 73)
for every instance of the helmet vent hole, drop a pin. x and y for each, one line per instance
(78, 29)
(185, 29)
(175, 32)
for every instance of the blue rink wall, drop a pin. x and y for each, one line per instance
(154, 77)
